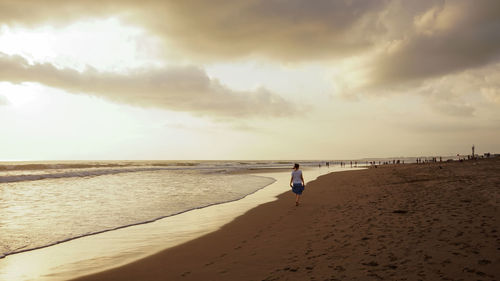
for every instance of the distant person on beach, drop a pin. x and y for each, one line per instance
(297, 183)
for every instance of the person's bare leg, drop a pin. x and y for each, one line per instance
(297, 198)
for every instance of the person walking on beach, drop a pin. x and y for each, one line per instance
(297, 183)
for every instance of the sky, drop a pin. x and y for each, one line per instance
(253, 79)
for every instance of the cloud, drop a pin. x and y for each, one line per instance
(3, 100)
(492, 94)
(465, 94)
(454, 109)
(446, 127)
(471, 93)
(294, 30)
(490, 85)
(404, 43)
(435, 36)
(180, 88)
(449, 37)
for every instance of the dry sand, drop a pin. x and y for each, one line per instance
(435, 221)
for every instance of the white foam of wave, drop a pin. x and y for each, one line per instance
(72, 174)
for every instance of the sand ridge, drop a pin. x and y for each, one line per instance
(434, 221)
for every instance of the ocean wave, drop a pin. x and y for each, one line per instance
(49, 166)
(73, 174)
(15, 167)
(26, 248)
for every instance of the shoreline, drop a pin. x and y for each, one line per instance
(141, 222)
(108, 249)
(415, 221)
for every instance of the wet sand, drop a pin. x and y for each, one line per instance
(436, 221)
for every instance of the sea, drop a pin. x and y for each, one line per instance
(46, 203)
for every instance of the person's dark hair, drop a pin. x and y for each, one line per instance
(295, 166)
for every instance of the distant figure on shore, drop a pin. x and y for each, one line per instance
(297, 183)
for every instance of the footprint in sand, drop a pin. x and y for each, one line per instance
(339, 268)
(372, 263)
(484, 262)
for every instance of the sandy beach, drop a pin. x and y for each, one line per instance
(434, 221)
(155, 140)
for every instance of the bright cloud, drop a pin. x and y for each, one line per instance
(181, 88)
(106, 45)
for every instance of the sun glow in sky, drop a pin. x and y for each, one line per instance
(248, 79)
